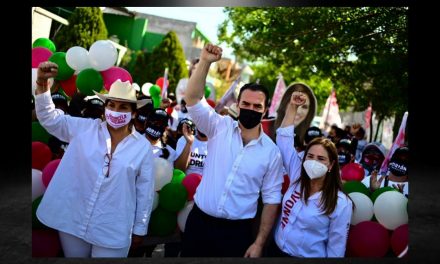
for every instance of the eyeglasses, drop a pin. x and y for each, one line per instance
(106, 168)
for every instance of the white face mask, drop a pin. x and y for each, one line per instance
(315, 169)
(117, 119)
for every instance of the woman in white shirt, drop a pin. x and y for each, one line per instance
(101, 195)
(315, 214)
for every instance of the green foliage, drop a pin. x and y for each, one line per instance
(168, 54)
(362, 52)
(86, 25)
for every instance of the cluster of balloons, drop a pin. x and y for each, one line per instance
(45, 241)
(173, 197)
(374, 216)
(78, 68)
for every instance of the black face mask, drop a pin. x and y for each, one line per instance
(398, 167)
(343, 158)
(154, 131)
(249, 118)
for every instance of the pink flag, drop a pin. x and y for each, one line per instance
(368, 113)
(398, 142)
(165, 84)
(330, 113)
(280, 88)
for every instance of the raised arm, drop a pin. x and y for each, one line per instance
(196, 84)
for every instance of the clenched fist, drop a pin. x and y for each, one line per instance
(211, 53)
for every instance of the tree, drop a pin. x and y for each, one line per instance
(86, 25)
(362, 51)
(169, 54)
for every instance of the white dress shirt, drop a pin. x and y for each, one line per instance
(80, 199)
(197, 155)
(233, 174)
(304, 230)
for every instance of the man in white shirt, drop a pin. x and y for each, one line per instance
(242, 162)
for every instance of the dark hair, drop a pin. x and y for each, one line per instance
(255, 87)
(360, 133)
(133, 105)
(332, 182)
(281, 112)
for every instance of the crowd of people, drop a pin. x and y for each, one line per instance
(101, 196)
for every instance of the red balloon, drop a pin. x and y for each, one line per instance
(69, 85)
(211, 102)
(41, 155)
(45, 243)
(352, 172)
(160, 82)
(191, 181)
(399, 239)
(368, 239)
(269, 127)
(109, 76)
(40, 54)
(49, 171)
(286, 184)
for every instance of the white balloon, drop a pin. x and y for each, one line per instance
(163, 173)
(78, 58)
(102, 55)
(136, 86)
(155, 201)
(38, 187)
(390, 209)
(363, 210)
(182, 215)
(146, 88)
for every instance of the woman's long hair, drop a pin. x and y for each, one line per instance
(332, 182)
(300, 130)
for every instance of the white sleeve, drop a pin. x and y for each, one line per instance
(144, 195)
(291, 159)
(339, 227)
(62, 126)
(180, 145)
(273, 180)
(206, 119)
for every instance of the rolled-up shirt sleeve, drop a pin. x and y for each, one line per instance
(144, 195)
(272, 181)
(205, 118)
(62, 126)
(290, 157)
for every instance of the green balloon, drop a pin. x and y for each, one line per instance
(156, 101)
(178, 176)
(162, 222)
(46, 43)
(89, 80)
(64, 70)
(379, 191)
(172, 197)
(355, 186)
(207, 91)
(155, 90)
(39, 133)
(36, 224)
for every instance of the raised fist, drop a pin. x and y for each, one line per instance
(211, 53)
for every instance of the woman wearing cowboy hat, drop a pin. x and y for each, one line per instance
(101, 195)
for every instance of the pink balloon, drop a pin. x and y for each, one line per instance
(399, 239)
(191, 181)
(368, 239)
(40, 54)
(41, 155)
(45, 243)
(111, 75)
(352, 172)
(49, 171)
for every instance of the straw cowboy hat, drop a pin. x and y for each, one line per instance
(124, 92)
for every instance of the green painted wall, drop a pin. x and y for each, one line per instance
(130, 31)
(152, 40)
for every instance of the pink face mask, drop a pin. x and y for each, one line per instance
(117, 119)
